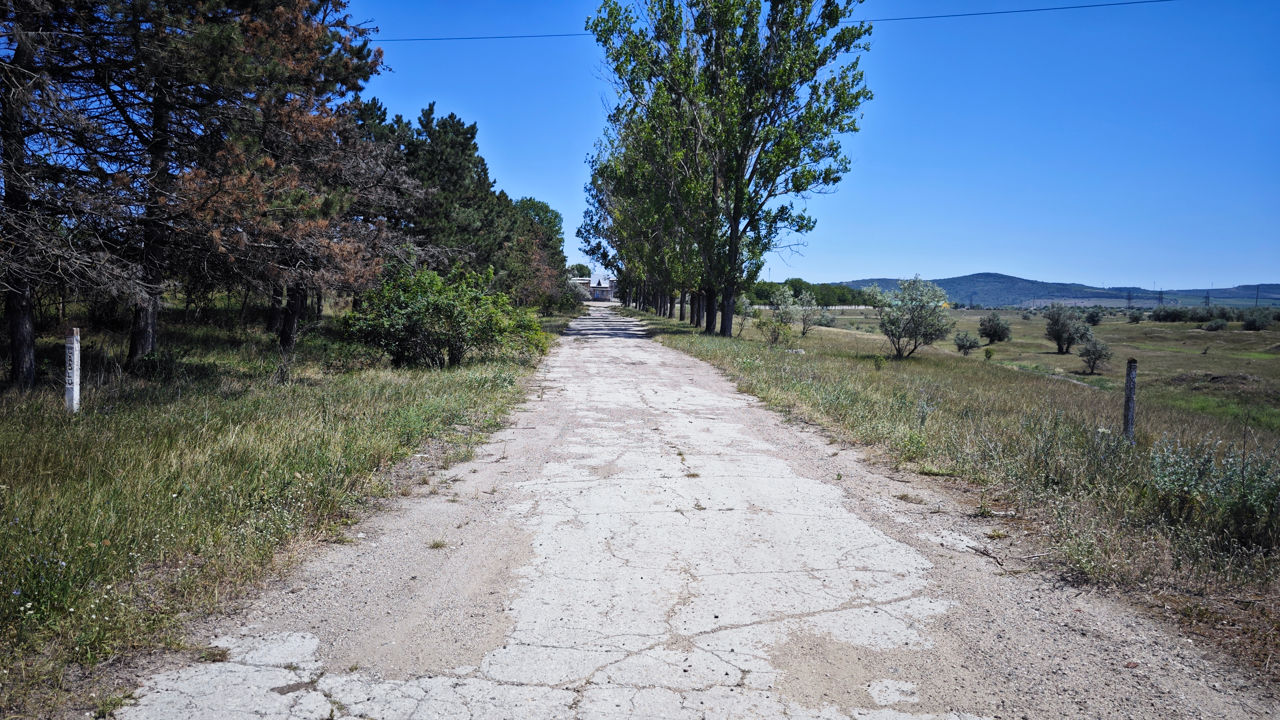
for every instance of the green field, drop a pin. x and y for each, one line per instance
(1232, 374)
(1187, 519)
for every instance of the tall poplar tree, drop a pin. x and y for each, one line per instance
(759, 96)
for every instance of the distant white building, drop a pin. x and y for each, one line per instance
(601, 289)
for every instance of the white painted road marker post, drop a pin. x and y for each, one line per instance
(73, 370)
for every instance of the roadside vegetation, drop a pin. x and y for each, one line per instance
(1187, 519)
(281, 289)
(177, 484)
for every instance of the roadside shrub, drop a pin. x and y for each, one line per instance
(1064, 327)
(1257, 319)
(966, 343)
(1215, 325)
(1095, 354)
(988, 353)
(1233, 496)
(826, 319)
(1135, 316)
(995, 329)
(418, 318)
(743, 309)
(774, 331)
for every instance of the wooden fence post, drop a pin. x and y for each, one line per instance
(1130, 397)
(73, 370)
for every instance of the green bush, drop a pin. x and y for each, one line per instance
(774, 331)
(995, 329)
(1257, 319)
(419, 318)
(1064, 326)
(1136, 316)
(1234, 496)
(1095, 354)
(1094, 316)
(966, 343)
(1215, 325)
(783, 303)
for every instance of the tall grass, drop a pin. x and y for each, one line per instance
(167, 492)
(1193, 508)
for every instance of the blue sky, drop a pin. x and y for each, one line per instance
(1134, 145)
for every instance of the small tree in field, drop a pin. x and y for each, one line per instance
(808, 310)
(1064, 327)
(1095, 354)
(783, 304)
(966, 343)
(1093, 317)
(994, 329)
(915, 316)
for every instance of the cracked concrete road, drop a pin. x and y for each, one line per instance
(646, 542)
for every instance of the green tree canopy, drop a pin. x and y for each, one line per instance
(728, 110)
(915, 316)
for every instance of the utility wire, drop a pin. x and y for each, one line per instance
(980, 13)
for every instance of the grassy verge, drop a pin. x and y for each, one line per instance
(167, 493)
(1188, 518)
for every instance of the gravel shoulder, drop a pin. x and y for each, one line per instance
(645, 541)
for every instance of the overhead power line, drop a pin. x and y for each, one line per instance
(979, 13)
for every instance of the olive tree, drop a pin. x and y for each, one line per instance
(994, 328)
(966, 343)
(783, 304)
(915, 316)
(1095, 354)
(1064, 326)
(809, 311)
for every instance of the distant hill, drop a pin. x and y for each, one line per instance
(995, 289)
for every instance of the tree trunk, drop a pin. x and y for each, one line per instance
(683, 294)
(22, 336)
(18, 309)
(726, 311)
(142, 334)
(244, 308)
(142, 330)
(294, 308)
(275, 314)
(709, 310)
